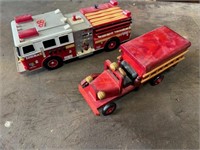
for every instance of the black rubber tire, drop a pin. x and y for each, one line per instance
(112, 44)
(109, 108)
(53, 62)
(157, 80)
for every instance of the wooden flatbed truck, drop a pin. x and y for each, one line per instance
(142, 59)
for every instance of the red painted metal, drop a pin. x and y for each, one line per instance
(36, 59)
(112, 29)
(153, 48)
(59, 52)
(122, 38)
(23, 18)
(28, 33)
(102, 33)
(123, 24)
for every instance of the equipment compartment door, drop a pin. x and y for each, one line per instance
(84, 42)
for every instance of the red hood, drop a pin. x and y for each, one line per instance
(106, 82)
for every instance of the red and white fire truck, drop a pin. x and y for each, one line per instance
(142, 59)
(48, 39)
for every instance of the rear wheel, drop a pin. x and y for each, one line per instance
(157, 80)
(112, 44)
(53, 62)
(109, 108)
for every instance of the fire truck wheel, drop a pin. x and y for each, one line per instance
(53, 62)
(157, 80)
(112, 44)
(109, 108)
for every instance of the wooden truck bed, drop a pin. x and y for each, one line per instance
(148, 52)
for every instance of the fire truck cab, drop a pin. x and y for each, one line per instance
(142, 59)
(36, 37)
(48, 39)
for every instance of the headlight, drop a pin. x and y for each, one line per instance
(101, 95)
(20, 59)
(122, 71)
(89, 79)
(114, 66)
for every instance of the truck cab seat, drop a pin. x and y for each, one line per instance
(131, 73)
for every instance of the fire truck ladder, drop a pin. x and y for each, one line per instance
(163, 67)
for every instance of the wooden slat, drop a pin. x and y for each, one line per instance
(104, 14)
(107, 17)
(161, 70)
(101, 11)
(163, 67)
(108, 20)
(165, 63)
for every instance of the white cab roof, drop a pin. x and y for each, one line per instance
(54, 24)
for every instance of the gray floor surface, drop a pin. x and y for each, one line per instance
(46, 111)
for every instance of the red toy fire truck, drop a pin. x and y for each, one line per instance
(49, 39)
(142, 59)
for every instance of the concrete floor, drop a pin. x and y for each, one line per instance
(46, 111)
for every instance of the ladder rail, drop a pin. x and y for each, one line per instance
(163, 67)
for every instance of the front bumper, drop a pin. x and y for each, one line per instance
(92, 102)
(89, 99)
(19, 65)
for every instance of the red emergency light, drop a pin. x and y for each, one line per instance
(114, 2)
(127, 13)
(23, 18)
(28, 33)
